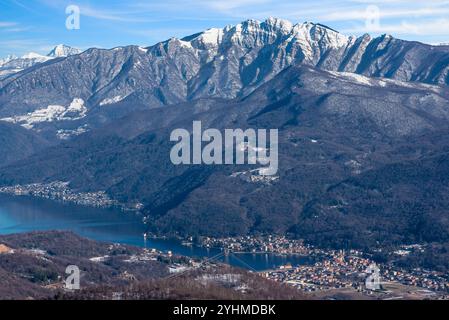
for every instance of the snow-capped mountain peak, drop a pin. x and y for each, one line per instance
(279, 23)
(7, 59)
(251, 32)
(211, 36)
(13, 64)
(63, 50)
(34, 55)
(227, 62)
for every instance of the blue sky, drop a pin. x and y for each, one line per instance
(38, 25)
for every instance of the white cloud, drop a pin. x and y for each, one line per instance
(436, 27)
(24, 45)
(384, 13)
(7, 24)
(112, 15)
(226, 6)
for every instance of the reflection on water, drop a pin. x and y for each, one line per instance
(25, 214)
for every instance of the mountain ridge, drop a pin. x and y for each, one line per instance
(222, 63)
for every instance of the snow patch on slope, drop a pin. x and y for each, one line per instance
(76, 110)
(113, 100)
(353, 77)
(384, 82)
(67, 134)
(212, 36)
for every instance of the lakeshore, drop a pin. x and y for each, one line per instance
(307, 268)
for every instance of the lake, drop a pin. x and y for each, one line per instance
(26, 214)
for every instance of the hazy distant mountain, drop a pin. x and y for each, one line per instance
(13, 64)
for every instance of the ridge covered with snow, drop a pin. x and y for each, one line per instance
(252, 32)
(12, 64)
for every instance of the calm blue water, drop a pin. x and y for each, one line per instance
(25, 214)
